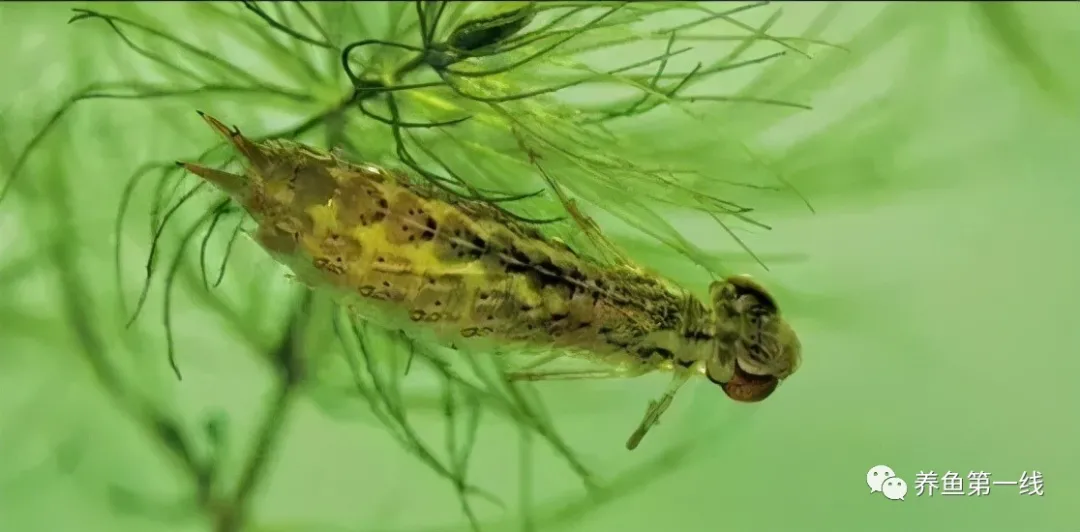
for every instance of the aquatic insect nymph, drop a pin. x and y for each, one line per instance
(409, 256)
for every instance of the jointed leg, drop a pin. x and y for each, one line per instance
(656, 409)
(573, 374)
(540, 361)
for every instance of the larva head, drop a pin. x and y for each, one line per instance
(756, 348)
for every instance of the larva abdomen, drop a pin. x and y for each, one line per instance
(445, 262)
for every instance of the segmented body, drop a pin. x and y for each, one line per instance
(403, 254)
(460, 268)
(406, 255)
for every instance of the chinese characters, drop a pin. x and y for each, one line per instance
(979, 483)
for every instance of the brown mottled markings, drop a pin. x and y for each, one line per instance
(448, 295)
(408, 220)
(328, 266)
(442, 259)
(464, 265)
(361, 203)
(339, 252)
(532, 288)
(458, 239)
(397, 287)
(313, 184)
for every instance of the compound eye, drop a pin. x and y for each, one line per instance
(747, 388)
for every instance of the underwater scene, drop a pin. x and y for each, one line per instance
(539, 266)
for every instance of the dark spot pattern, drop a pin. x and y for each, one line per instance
(340, 250)
(532, 287)
(360, 204)
(407, 220)
(394, 286)
(453, 237)
(328, 266)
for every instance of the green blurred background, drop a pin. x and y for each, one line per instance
(935, 290)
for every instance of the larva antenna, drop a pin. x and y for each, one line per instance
(657, 408)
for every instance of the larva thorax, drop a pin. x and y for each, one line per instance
(464, 270)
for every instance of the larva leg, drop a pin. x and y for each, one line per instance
(566, 375)
(546, 359)
(656, 409)
(593, 232)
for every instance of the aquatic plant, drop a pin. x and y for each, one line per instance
(602, 124)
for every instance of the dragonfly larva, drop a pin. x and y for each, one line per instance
(407, 256)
